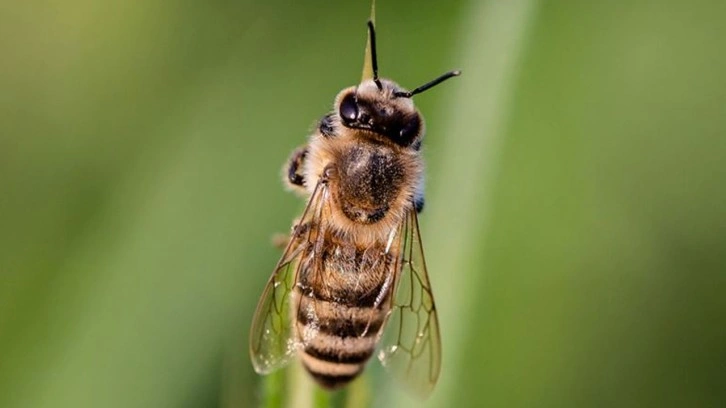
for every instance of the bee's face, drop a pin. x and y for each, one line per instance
(392, 117)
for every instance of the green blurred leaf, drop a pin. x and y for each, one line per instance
(574, 223)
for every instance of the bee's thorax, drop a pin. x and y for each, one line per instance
(369, 180)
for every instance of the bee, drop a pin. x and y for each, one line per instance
(354, 263)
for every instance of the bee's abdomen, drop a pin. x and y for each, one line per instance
(340, 304)
(338, 337)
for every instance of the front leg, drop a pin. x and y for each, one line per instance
(293, 176)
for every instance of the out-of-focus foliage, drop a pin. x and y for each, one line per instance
(576, 211)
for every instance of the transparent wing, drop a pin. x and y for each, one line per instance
(411, 346)
(272, 340)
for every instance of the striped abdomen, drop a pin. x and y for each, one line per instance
(341, 302)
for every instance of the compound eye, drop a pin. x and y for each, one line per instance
(349, 108)
(410, 130)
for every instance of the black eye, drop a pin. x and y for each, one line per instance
(349, 108)
(410, 130)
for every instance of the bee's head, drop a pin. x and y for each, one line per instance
(365, 107)
(382, 106)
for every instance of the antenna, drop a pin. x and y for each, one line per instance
(374, 58)
(427, 85)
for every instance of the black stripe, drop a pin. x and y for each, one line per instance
(331, 381)
(350, 298)
(339, 356)
(343, 296)
(343, 328)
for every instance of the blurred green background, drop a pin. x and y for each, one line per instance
(576, 212)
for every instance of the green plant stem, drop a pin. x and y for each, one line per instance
(358, 393)
(273, 386)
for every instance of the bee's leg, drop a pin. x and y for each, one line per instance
(418, 204)
(326, 127)
(293, 175)
(418, 196)
(281, 240)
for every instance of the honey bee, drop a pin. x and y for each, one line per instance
(354, 262)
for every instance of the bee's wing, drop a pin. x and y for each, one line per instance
(411, 346)
(272, 342)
